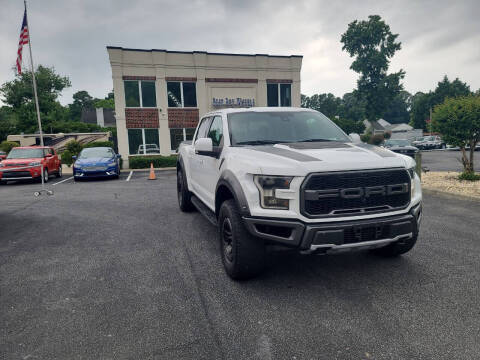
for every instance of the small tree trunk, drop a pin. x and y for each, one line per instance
(472, 152)
(465, 161)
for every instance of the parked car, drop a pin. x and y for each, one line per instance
(3, 155)
(148, 149)
(401, 146)
(96, 162)
(32, 157)
(430, 142)
(290, 177)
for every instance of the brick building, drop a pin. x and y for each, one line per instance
(160, 95)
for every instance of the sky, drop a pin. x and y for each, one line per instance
(438, 37)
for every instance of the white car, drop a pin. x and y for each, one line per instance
(290, 177)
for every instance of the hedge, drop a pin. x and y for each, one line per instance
(99, 144)
(158, 161)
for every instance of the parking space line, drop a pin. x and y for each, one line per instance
(129, 176)
(71, 177)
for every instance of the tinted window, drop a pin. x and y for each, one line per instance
(272, 94)
(202, 129)
(282, 127)
(134, 140)
(216, 131)
(285, 95)
(174, 94)
(148, 94)
(132, 96)
(189, 95)
(152, 145)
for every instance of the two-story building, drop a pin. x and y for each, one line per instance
(160, 95)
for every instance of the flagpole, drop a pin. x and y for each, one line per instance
(33, 77)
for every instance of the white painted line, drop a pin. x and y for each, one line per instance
(71, 177)
(129, 176)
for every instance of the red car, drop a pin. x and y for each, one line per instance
(33, 156)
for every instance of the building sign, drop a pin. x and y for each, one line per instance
(233, 102)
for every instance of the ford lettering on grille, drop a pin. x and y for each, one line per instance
(355, 192)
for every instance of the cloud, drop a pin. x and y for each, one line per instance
(438, 37)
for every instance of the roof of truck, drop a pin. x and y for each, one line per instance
(257, 109)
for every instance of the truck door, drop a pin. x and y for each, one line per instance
(196, 161)
(210, 169)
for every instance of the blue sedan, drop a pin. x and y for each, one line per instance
(96, 162)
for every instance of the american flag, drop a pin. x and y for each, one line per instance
(23, 41)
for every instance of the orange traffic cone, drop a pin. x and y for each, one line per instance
(152, 173)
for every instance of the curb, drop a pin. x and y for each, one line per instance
(449, 195)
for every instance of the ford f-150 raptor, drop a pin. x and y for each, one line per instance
(290, 177)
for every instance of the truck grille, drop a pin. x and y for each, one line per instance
(355, 192)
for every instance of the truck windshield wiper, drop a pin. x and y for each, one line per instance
(260, 142)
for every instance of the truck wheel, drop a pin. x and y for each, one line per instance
(397, 248)
(183, 195)
(243, 255)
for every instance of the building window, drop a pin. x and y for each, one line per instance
(139, 93)
(143, 141)
(181, 94)
(279, 95)
(179, 135)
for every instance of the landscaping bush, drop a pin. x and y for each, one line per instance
(8, 145)
(66, 157)
(469, 176)
(159, 161)
(365, 137)
(99, 144)
(74, 147)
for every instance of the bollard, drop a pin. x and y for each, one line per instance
(418, 159)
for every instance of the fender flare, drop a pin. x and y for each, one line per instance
(181, 165)
(228, 179)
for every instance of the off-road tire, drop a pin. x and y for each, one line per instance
(246, 256)
(183, 195)
(398, 248)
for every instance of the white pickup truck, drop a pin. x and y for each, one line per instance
(269, 177)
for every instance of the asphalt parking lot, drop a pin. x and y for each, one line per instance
(113, 270)
(446, 160)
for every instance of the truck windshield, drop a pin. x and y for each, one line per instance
(25, 153)
(257, 128)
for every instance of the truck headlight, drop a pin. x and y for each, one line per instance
(411, 172)
(267, 185)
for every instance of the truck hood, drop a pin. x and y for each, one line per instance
(299, 159)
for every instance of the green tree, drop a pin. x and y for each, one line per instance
(349, 126)
(18, 95)
(458, 120)
(327, 104)
(352, 107)
(81, 100)
(373, 45)
(398, 111)
(8, 122)
(422, 103)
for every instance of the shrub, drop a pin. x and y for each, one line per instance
(365, 137)
(8, 145)
(66, 157)
(469, 176)
(158, 161)
(74, 147)
(99, 144)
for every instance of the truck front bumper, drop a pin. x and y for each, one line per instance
(337, 236)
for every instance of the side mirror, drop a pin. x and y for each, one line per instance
(355, 138)
(48, 155)
(204, 146)
(74, 157)
(118, 156)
